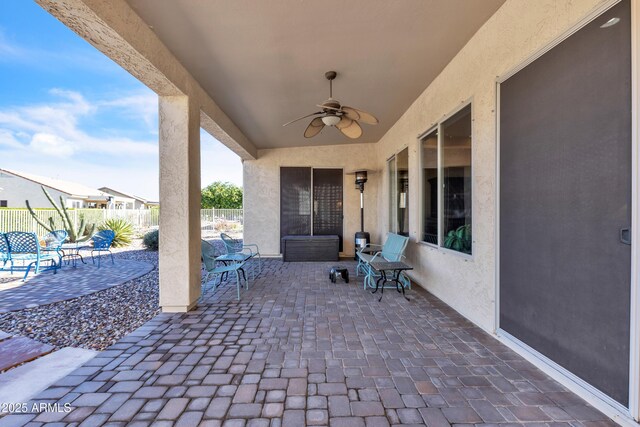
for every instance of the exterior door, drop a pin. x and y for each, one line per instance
(565, 203)
(327, 203)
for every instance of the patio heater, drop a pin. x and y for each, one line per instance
(362, 237)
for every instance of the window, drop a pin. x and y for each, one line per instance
(398, 167)
(446, 183)
(3, 203)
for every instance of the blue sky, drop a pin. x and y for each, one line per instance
(69, 112)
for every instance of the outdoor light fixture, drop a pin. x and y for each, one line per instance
(331, 120)
(362, 238)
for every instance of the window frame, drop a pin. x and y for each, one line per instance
(438, 126)
(393, 185)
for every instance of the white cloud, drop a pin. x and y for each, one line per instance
(51, 145)
(75, 59)
(7, 49)
(143, 106)
(55, 128)
(55, 139)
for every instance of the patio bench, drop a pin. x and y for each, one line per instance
(25, 248)
(392, 251)
(310, 248)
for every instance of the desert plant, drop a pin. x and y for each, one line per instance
(150, 240)
(459, 239)
(122, 228)
(80, 234)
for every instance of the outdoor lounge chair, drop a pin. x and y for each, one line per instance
(54, 241)
(214, 266)
(392, 250)
(234, 246)
(4, 250)
(102, 241)
(25, 248)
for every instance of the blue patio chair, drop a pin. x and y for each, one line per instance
(25, 248)
(5, 255)
(235, 246)
(392, 250)
(102, 241)
(212, 267)
(54, 241)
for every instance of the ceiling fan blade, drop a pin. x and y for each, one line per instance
(349, 128)
(314, 127)
(303, 117)
(363, 116)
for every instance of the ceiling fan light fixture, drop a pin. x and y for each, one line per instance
(331, 120)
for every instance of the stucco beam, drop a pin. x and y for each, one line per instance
(116, 30)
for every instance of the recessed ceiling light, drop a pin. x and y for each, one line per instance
(610, 23)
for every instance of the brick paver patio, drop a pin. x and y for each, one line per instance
(68, 283)
(298, 350)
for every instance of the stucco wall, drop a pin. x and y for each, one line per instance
(262, 190)
(507, 39)
(465, 283)
(16, 190)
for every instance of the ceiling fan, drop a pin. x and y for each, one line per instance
(344, 118)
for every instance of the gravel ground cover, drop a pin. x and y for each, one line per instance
(98, 320)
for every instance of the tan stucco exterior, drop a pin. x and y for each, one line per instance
(507, 39)
(465, 283)
(262, 190)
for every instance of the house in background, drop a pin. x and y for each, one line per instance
(19, 186)
(128, 201)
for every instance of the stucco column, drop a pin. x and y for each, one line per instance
(179, 203)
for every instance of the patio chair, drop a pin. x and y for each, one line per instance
(25, 248)
(54, 241)
(392, 250)
(5, 255)
(212, 267)
(235, 246)
(102, 241)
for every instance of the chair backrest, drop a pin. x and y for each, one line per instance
(209, 254)
(23, 242)
(394, 247)
(103, 239)
(55, 239)
(4, 247)
(231, 245)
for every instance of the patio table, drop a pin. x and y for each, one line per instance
(72, 252)
(394, 268)
(235, 257)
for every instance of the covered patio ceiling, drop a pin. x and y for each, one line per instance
(264, 62)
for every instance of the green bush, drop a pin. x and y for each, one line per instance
(150, 240)
(221, 195)
(122, 228)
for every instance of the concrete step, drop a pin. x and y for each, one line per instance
(25, 382)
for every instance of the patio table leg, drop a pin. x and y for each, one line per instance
(399, 285)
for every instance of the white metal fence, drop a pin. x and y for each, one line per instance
(142, 219)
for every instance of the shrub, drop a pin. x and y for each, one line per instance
(150, 240)
(123, 230)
